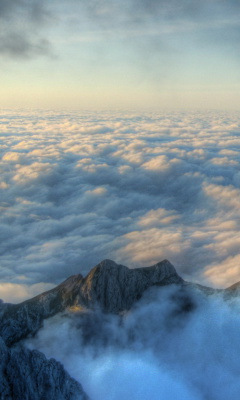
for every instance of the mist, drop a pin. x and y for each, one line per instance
(173, 344)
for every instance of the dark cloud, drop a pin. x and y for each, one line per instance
(139, 11)
(21, 28)
(161, 29)
(147, 25)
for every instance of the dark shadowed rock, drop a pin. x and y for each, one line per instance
(109, 286)
(28, 375)
(115, 288)
(204, 289)
(232, 291)
(19, 320)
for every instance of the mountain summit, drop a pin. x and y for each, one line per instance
(109, 286)
(115, 287)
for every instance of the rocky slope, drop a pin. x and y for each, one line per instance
(234, 287)
(19, 320)
(115, 288)
(109, 286)
(28, 375)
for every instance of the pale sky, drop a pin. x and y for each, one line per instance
(120, 54)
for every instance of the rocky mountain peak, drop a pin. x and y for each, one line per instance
(235, 286)
(26, 374)
(114, 287)
(109, 286)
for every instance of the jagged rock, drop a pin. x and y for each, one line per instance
(28, 375)
(232, 291)
(235, 286)
(115, 287)
(204, 289)
(109, 286)
(19, 320)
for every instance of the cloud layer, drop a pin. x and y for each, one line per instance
(80, 187)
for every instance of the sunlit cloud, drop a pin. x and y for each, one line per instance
(129, 187)
(15, 293)
(225, 273)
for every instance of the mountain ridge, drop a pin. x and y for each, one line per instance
(109, 288)
(26, 374)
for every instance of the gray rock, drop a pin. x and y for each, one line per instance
(235, 286)
(109, 286)
(19, 320)
(115, 288)
(28, 375)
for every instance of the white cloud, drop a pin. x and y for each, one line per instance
(28, 173)
(225, 273)
(225, 196)
(77, 188)
(157, 218)
(15, 293)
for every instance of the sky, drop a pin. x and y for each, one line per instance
(119, 54)
(119, 135)
(120, 139)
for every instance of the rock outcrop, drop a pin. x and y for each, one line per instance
(108, 286)
(28, 375)
(234, 287)
(19, 320)
(115, 288)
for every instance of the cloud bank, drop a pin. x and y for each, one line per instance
(77, 188)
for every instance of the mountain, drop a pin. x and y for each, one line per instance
(115, 287)
(26, 374)
(234, 287)
(110, 288)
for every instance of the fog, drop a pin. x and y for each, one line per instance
(173, 344)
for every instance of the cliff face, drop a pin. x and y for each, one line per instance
(108, 286)
(28, 375)
(19, 320)
(115, 287)
(112, 288)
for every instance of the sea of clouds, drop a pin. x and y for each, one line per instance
(79, 187)
(169, 346)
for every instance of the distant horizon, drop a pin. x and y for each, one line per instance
(124, 110)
